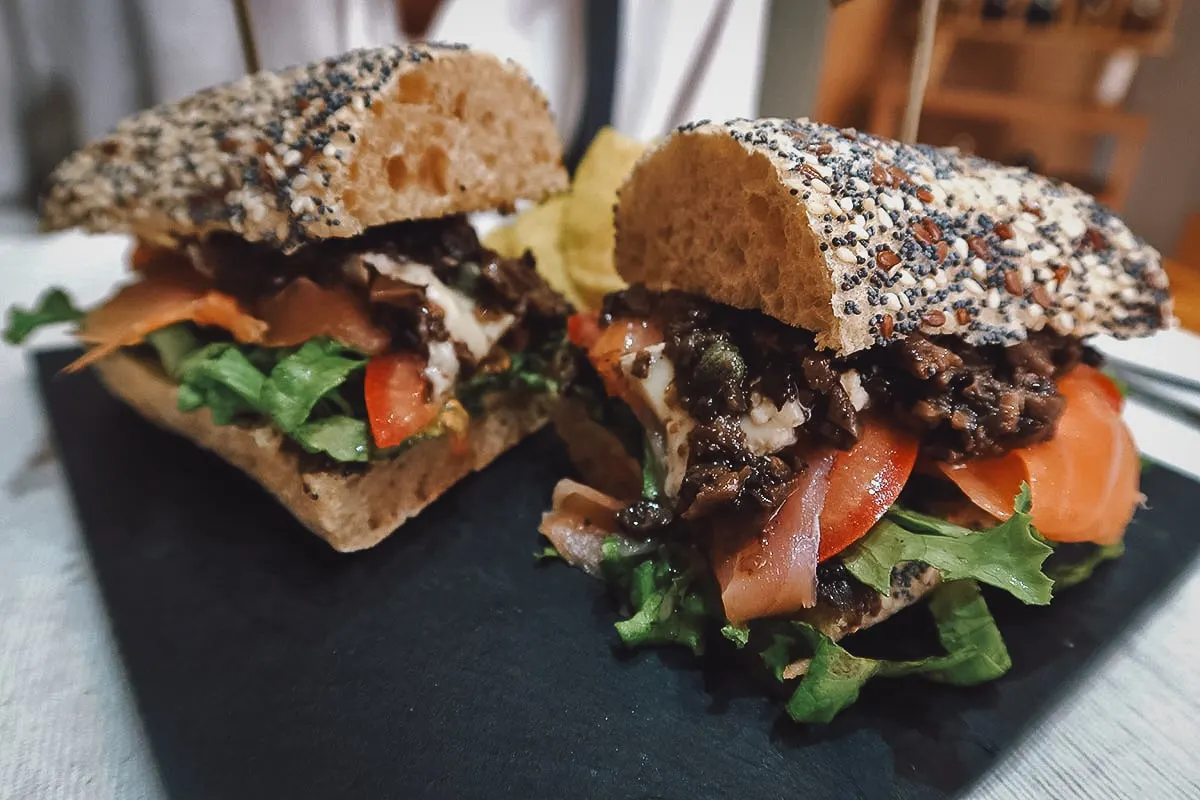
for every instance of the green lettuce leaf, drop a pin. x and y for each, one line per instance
(53, 308)
(738, 634)
(530, 371)
(343, 438)
(547, 553)
(965, 624)
(833, 677)
(1066, 574)
(670, 598)
(231, 381)
(652, 473)
(298, 389)
(220, 377)
(299, 381)
(1008, 556)
(173, 344)
(665, 594)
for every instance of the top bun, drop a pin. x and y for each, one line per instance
(861, 239)
(318, 151)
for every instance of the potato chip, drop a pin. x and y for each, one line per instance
(591, 288)
(502, 240)
(587, 234)
(572, 235)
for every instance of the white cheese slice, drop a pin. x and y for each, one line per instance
(670, 440)
(852, 383)
(442, 369)
(460, 319)
(769, 428)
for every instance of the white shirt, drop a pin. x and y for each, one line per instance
(115, 56)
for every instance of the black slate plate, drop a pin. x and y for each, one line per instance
(444, 663)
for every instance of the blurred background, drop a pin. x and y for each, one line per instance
(1101, 93)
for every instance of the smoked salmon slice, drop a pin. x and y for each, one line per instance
(162, 298)
(1083, 482)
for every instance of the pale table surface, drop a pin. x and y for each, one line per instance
(68, 728)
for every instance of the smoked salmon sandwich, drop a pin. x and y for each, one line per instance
(308, 298)
(848, 376)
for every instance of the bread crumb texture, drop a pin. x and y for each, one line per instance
(322, 150)
(862, 239)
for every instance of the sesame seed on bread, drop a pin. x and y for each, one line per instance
(861, 239)
(317, 151)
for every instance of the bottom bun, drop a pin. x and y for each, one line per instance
(352, 510)
(596, 452)
(911, 581)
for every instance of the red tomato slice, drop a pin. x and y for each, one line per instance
(1083, 482)
(1110, 389)
(583, 329)
(864, 482)
(622, 337)
(397, 398)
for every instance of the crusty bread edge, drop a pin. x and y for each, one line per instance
(597, 454)
(351, 511)
(322, 150)
(862, 240)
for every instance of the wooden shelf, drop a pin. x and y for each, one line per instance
(1185, 286)
(1004, 85)
(1129, 130)
(1070, 27)
(981, 104)
(1056, 34)
(1184, 271)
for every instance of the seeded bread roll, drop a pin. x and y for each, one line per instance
(352, 511)
(323, 150)
(861, 239)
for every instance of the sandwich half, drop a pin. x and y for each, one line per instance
(308, 298)
(849, 375)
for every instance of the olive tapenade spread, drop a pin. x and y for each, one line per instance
(962, 401)
(449, 246)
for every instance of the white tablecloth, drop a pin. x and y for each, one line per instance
(68, 728)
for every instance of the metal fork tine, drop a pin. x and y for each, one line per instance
(1120, 365)
(1165, 406)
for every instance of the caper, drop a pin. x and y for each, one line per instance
(721, 365)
